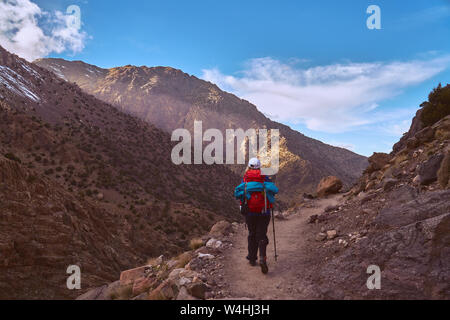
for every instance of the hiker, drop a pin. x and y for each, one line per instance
(256, 193)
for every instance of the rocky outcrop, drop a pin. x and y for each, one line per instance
(185, 277)
(329, 185)
(429, 169)
(443, 173)
(397, 217)
(410, 245)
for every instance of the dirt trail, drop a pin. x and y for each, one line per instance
(285, 279)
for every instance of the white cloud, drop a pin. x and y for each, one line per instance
(31, 33)
(332, 98)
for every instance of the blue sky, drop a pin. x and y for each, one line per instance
(313, 65)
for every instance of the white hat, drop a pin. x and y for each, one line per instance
(254, 163)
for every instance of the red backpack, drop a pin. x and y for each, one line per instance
(256, 202)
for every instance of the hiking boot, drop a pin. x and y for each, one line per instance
(263, 265)
(251, 261)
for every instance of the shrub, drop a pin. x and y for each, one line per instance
(437, 106)
(122, 293)
(196, 243)
(183, 259)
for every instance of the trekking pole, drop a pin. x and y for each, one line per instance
(274, 239)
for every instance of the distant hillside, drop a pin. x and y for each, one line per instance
(170, 99)
(82, 182)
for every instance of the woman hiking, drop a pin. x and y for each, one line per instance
(256, 193)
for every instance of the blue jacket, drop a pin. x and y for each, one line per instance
(270, 187)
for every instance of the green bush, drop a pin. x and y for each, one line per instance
(437, 106)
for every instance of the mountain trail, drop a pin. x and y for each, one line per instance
(285, 278)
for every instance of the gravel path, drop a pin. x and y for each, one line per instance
(285, 278)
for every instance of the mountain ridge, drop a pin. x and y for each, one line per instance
(172, 99)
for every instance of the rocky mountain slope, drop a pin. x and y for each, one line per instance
(171, 99)
(397, 217)
(84, 182)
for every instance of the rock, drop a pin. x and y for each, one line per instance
(377, 161)
(329, 185)
(428, 170)
(197, 289)
(392, 172)
(321, 236)
(416, 180)
(425, 135)
(94, 294)
(220, 229)
(129, 276)
(416, 126)
(279, 215)
(331, 234)
(184, 295)
(142, 296)
(143, 284)
(205, 256)
(313, 218)
(100, 196)
(368, 197)
(331, 208)
(214, 243)
(182, 272)
(401, 213)
(167, 290)
(389, 183)
(159, 260)
(443, 173)
(412, 143)
(184, 281)
(171, 263)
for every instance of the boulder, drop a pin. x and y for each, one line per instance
(389, 183)
(142, 285)
(377, 161)
(329, 185)
(129, 276)
(220, 229)
(177, 274)
(167, 290)
(428, 170)
(214, 243)
(425, 135)
(443, 173)
(197, 289)
(184, 295)
(100, 293)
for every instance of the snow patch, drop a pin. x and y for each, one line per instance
(58, 72)
(16, 83)
(31, 71)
